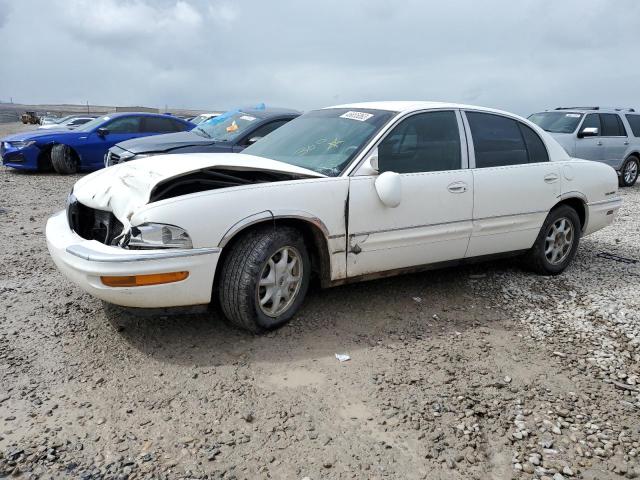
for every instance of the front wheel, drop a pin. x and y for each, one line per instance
(557, 243)
(265, 278)
(629, 172)
(63, 159)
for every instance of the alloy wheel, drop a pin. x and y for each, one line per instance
(280, 281)
(630, 172)
(559, 240)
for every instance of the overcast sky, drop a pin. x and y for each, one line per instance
(522, 56)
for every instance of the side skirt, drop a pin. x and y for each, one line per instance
(427, 267)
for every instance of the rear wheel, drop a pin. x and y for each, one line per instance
(265, 278)
(557, 243)
(629, 172)
(64, 159)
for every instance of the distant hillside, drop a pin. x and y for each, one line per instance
(10, 112)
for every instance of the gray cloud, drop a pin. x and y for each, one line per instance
(520, 56)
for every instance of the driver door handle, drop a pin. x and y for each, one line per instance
(457, 187)
(598, 142)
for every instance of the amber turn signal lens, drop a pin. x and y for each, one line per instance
(141, 280)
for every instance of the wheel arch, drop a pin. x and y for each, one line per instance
(314, 231)
(578, 202)
(50, 145)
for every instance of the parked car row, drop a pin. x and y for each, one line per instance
(342, 194)
(83, 148)
(611, 136)
(608, 135)
(229, 132)
(68, 122)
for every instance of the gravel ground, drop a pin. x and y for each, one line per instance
(486, 372)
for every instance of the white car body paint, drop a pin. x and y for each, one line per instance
(444, 215)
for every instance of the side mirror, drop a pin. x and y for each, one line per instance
(253, 140)
(103, 132)
(389, 188)
(370, 166)
(588, 132)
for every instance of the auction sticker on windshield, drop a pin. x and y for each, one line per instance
(248, 118)
(360, 116)
(573, 115)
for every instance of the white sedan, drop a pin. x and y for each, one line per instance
(344, 194)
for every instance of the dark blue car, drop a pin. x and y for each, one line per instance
(83, 149)
(232, 131)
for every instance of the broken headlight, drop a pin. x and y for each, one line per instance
(158, 235)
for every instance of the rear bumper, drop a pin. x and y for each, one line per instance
(600, 214)
(85, 261)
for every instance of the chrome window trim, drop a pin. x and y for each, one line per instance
(357, 162)
(472, 150)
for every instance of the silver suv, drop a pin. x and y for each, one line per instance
(608, 135)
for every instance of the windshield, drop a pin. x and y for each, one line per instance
(201, 118)
(322, 140)
(557, 122)
(61, 120)
(96, 122)
(226, 127)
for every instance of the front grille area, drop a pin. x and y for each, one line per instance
(112, 159)
(93, 224)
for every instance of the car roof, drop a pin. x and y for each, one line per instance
(269, 112)
(591, 110)
(410, 106)
(144, 114)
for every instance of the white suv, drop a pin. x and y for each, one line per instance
(608, 135)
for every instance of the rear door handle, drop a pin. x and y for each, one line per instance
(626, 142)
(551, 178)
(598, 142)
(457, 187)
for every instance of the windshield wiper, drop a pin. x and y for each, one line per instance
(203, 131)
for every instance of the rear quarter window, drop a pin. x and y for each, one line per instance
(535, 146)
(634, 123)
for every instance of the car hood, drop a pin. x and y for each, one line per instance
(124, 188)
(39, 135)
(566, 140)
(164, 142)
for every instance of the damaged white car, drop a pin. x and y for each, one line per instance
(342, 194)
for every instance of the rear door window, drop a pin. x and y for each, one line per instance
(158, 125)
(497, 140)
(179, 126)
(634, 122)
(611, 125)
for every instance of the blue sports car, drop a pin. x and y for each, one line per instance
(83, 149)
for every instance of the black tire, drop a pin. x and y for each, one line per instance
(64, 159)
(243, 268)
(537, 258)
(629, 172)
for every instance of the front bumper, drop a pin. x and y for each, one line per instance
(20, 158)
(85, 261)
